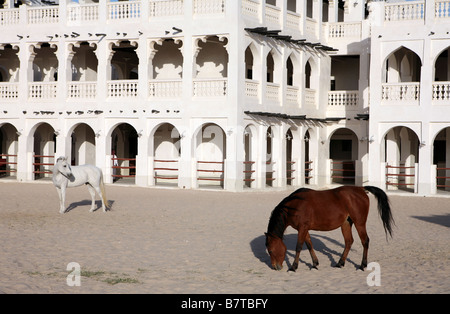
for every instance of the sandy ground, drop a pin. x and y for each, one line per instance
(186, 241)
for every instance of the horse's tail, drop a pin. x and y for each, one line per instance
(384, 208)
(102, 188)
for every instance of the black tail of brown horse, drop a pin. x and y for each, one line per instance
(384, 208)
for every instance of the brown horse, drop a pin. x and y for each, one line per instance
(326, 210)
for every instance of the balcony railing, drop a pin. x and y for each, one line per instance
(273, 92)
(42, 90)
(165, 89)
(441, 92)
(82, 90)
(123, 89)
(126, 10)
(82, 13)
(9, 91)
(344, 30)
(160, 8)
(404, 11)
(343, 99)
(442, 9)
(210, 87)
(401, 92)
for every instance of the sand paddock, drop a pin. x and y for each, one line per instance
(186, 241)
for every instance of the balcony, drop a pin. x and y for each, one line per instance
(9, 91)
(404, 11)
(401, 93)
(81, 90)
(441, 93)
(165, 89)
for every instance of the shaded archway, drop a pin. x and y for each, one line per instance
(44, 148)
(9, 142)
(441, 159)
(166, 154)
(82, 148)
(124, 149)
(210, 153)
(343, 154)
(400, 152)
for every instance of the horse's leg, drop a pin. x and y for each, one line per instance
(62, 199)
(365, 243)
(346, 229)
(302, 233)
(92, 192)
(309, 245)
(99, 192)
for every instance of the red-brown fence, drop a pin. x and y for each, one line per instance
(6, 165)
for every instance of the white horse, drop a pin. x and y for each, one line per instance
(65, 176)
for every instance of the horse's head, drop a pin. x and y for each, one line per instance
(277, 251)
(63, 166)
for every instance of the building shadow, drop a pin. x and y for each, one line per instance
(443, 220)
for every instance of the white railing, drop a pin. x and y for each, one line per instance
(441, 91)
(250, 8)
(9, 17)
(273, 92)
(293, 20)
(210, 87)
(292, 94)
(82, 90)
(344, 98)
(273, 14)
(166, 8)
(9, 91)
(344, 30)
(82, 12)
(209, 6)
(126, 10)
(165, 89)
(442, 9)
(122, 89)
(400, 92)
(252, 88)
(311, 27)
(43, 15)
(310, 97)
(404, 11)
(42, 90)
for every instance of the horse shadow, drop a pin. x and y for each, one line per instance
(258, 246)
(98, 204)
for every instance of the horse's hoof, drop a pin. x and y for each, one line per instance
(292, 269)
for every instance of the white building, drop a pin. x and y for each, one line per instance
(235, 94)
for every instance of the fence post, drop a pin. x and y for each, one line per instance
(416, 178)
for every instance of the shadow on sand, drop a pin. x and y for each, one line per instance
(98, 204)
(258, 246)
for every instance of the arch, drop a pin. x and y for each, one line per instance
(9, 142)
(343, 152)
(441, 158)
(82, 144)
(166, 60)
(124, 59)
(123, 140)
(43, 147)
(212, 58)
(210, 153)
(441, 71)
(402, 65)
(400, 152)
(166, 151)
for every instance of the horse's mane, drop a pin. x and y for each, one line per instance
(277, 221)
